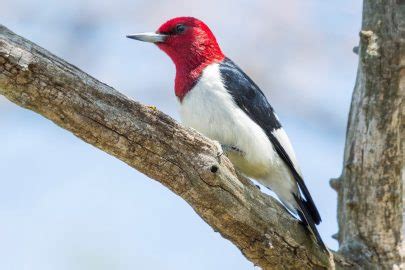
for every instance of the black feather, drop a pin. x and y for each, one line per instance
(306, 218)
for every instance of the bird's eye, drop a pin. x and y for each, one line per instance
(180, 28)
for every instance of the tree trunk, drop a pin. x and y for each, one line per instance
(371, 188)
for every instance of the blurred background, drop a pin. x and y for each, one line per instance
(66, 205)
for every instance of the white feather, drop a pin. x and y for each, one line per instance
(211, 110)
(283, 139)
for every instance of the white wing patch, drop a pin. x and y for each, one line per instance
(283, 139)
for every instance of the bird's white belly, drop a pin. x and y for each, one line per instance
(210, 109)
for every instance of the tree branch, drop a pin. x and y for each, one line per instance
(153, 143)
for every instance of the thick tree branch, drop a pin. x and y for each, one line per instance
(153, 143)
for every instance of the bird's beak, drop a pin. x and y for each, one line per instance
(149, 37)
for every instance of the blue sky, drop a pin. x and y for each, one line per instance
(66, 205)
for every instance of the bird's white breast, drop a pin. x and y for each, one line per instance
(210, 109)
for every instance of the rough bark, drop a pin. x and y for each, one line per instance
(153, 143)
(371, 187)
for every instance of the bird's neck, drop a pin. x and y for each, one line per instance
(189, 70)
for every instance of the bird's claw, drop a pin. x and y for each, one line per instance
(232, 149)
(220, 151)
(224, 148)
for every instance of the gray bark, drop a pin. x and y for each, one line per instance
(371, 187)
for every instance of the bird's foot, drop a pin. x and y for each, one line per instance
(220, 152)
(232, 149)
(227, 149)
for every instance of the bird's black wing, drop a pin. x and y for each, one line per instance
(253, 102)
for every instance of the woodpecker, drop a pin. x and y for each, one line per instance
(220, 101)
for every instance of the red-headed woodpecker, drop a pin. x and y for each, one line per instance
(219, 100)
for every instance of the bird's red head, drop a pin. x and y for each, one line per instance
(190, 44)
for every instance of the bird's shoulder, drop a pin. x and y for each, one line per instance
(248, 96)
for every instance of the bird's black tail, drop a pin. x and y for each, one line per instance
(306, 217)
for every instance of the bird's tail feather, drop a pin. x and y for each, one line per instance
(306, 217)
